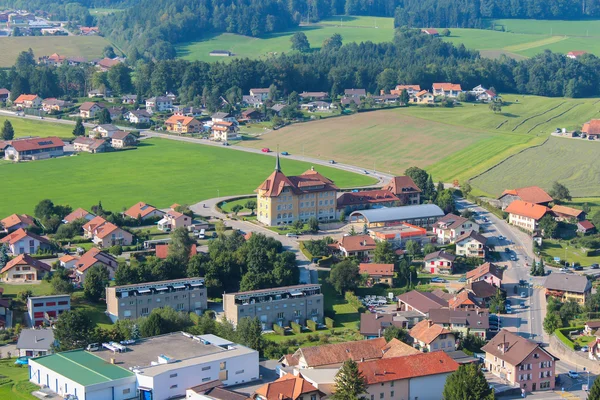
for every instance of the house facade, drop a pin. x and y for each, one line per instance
(173, 220)
(529, 194)
(423, 97)
(16, 221)
(143, 211)
(122, 139)
(90, 145)
(92, 258)
(474, 322)
(34, 149)
(430, 337)
(446, 89)
(89, 109)
(22, 242)
(448, 228)
(568, 287)
(159, 104)
(182, 124)
(439, 262)
(361, 247)
(378, 273)
(28, 101)
(24, 268)
(138, 117)
(471, 244)
(45, 309)
(525, 215)
(487, 272)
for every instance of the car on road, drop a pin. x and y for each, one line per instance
(594, 266)
(266, 150)
(285, 153)
(573, 375)
(523, 295)
(564, 270)
(226, 144)
(522, 282)
(485, 219)
(292, 235)
(463, 279)
(506, 250)
(508, 310)
(365, 172)
(522, 304)
(331, 161)
(578, 268)
(438, 280)
(585, 349)
(500, 237)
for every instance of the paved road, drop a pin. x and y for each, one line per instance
(57, 121)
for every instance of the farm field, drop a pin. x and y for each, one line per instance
(572, 162)
(159, 172)
(70, 46)
(28, 127)
(352, 29)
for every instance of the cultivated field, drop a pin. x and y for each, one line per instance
(29, 127)
(159, 172)
(574, 163)
(70, 46)
(352, 29)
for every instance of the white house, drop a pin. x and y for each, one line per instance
(159, 104)
(138, 117)
(471, 244)
(451, 226)
(35, 342)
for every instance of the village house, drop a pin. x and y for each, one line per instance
(566, 287)
(429, 337)
(21, 242)
(317, 106)
(564, 213)
(471, 244)
(430, 31)
(482, 94)
(180, 124)
(98, 93)
(68, 261)
(474, 322)
(576, 54)
(487, 272)
(143, 211)
(525, 215)
(116, 113)
(27, 101)
(355, 93)
(312, 96)
(162, 251)
(106, 63)
(137, 117)
(529, 194)
(173, 220)
(252, 101)
(423, 97)
(129, 99)
(448, 228)
(421, 302)
(373, 325)
(53, 104)
(224, 131)
(159, 104)
(277, 108)
(54, 60)
(108, 235)
(361, 200)
(94, 257)
(91, 145)
(591, 327)
(16, 221)
(439, 262)
(89, 109)
(464, 300)
(287, 387)
(446, 89)
(104, 130)
(591, 129)
(386, 99)
(223, 117)
(522, 362)
(24, 268)
(4, 95)
(89, 30)
(36, 342)
(585, 227)
(251, 115)
(262, 93)
(378, 273)
(410, 89)
(360, 246)
(481, 292)
(34, 149)
(405, 189)
(188, 111)
(347, 101)
(90, 227)
(122, 139)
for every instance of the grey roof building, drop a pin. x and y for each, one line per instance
(35, 342)
(568, 287)
(423, 215)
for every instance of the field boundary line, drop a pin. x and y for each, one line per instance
(502, 123)
(550, 119)
(537, 115)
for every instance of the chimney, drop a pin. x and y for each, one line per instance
(429, 323)
(36, 339)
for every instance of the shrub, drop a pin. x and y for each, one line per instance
(353, 300)
(325, 261)
(296, 327)
(329, 323)
(312, 325)
(278, 330)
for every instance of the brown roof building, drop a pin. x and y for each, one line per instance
(488, 272)
(529, 194)
(143, 210)
(288, 387)
(405, 189)
(420, 301)
(432, 337)
(16, 221)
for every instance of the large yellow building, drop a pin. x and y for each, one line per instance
(282, 200)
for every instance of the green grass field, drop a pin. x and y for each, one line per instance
(159, 172)
(29, 127)
(70, 46)
(574, 163)
(352, 29)
(16, 385)
(555, 248)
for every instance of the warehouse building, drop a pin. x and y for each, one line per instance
(421, 215)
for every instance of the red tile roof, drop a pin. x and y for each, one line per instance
(430, 31)
(25, 97)
(587, 225)
(412, 366)
(530, 194)
(447, 86)
(16, 219)
(568, 211)
(576, 53)
(413, 87)
(94, 223)
(591, 127)
(377, 269)
(141, 209)
(463, 298)
(25, 259)
(180, 119)
(93, 256)
(309, 182)
(287, 387)
(365, 197)
(426, 331)
(484, 269)
(19, 234)
(402, 184)
(37, 143)
(106, 229)
(108, 62)
(525, 209)
(77, 214)
(357, 243)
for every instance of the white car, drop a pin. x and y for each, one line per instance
(573, 375)
(501, 237)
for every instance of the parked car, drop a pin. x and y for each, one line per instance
(291, 235)
(522, 304)
(585, 349)
(93, 347)
(500, 237)
(573, 375)
(463, 279)
(285, 153)
(438, 280)
(225, 144)
(523, 295)
(506, 250)
(565, 270)
(266, 150)
(578, 268)
(331, 161)
(594, 266)
(522, 282)
(513, 257)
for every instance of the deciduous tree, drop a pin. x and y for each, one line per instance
(559, 192)
(96, 280)
(73, 330)
(344, 276)
(300, 42)
(467, 383)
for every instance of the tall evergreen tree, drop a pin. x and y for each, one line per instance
(350, 384)
(8, 133)
(79, 129)
(467, 383)
(594, 393)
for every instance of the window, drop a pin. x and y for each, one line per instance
(50, 303)
(144, 310)
(126, 391)
(241, 371)
(392, 393)
(381, 395)
(313, 397)
(392, 384)
(158, 300)
(280, 315)
(173, 375)
(205, 368)
(173, 386)
(223, 365)
(206, 379)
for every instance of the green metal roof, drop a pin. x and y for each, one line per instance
(83, 367)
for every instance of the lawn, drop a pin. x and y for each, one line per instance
(39, 289)
(70, 46)
(555, 248)
(344, 314)
(28, 127)
(159, 172)
(579, 168)
(352, 29)
(17, 385)
(592, 202)
(95, 311)
(227, 206)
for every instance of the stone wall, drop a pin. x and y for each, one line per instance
(558, 349)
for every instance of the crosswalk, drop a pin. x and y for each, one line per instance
(567, 395)
(538, 287)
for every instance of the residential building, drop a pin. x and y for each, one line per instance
(62, 373)
(90, 227)
(330, 356)
(352, 201)
(282, 199)
(27, 101)
(421, 302)
(159, 104)
(105, 130)
(439, 262)
(591, 327)
(137, 117)
(173, 220)
(471, 244)
(347, 101)
(405, 189)
(564, 213)
(355, 93)
(106, 63)
(89, 30)
(482, 292)
(585, 227)
(251, 115)
(482, 94)
(522, 362)
(567, 287)
(91, 258)
(122, 139)
(108, 235)
(591, 129)
(89, 109)
(312, 96)
(16, 221)
(79, 213)
(97, 93)
(419, 376)
(386, 99)
(423, 97)
(317, 106)
(53, 104)
(162, 251)
(287, 387)
(24, 268)
(4, 95)
(525, 215)
(410, 89)
(21, 242)
(138, 300)
(378, 273)
(474, 322)
(45, 309)
(446, 89)
(34, 149)
(576, 54)
(224, 131)
(361, 247)
(529, 194)
(36, 342)
(143, 211)
(116, 113)
(252, 101)
(213, 390)
(180, 124)
(91, 145)
(421, 215)
(280, 306)
(129, 99)
(430, 337)
(373, 325)
(451, 226)
(262, 93)
(430, 31)
(487, 272)
(68, 261)
(222, 117)
(464, 300)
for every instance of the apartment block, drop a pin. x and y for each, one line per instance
(45, 309)
(138, 300)
(279, 306)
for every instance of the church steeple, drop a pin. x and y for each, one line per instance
(277, 165)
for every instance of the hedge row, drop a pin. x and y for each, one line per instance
(278, 330)
(312, 325)
(562, 335)
(296, 327)
(329, 322)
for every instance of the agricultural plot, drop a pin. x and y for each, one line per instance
(70, 46)
(28, 127)
(572, 162)
(159, 172)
